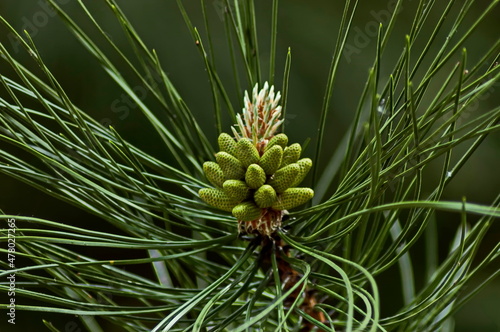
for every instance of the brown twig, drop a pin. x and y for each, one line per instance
(289, 277)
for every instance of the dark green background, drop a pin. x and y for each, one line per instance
(309, 28)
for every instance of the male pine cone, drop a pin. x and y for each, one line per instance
(249, 182)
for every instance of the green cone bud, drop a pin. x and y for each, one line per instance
(284, 177)
(227, 144)
(246, 211)
(305, 165)
(265, 196)
(280, 139)
(237, 190)
(255, 176)
(293, 197)
(271, 159)
(291, 154)
(214, 173)
(247, 152)
(217, 198)
(231, 167)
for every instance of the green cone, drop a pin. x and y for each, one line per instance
(214, 173)
(255, 176)
(227, 144)
(305, 165)
(284, 177)
(246, 211)
(293, 197)
(231, 167)
(217, 198)
(247, 152)
(271, 159)
(237, 190)
(291, 154)
(280, 139)
(265, 196)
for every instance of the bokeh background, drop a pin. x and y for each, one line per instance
(309, 29)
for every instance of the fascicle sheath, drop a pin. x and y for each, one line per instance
(214, 173)
(246, 211)
(237, 190)
(247, 152)
(217, 198)
(227, 144)
(280, 139)
(265, 196)
(305, 165)
(293, 197)
(291, 154)
(231, 166)
(255, 176)
(284, 177)
(271, 159)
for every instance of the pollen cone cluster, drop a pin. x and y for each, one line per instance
(248, 182)
(256, 173)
